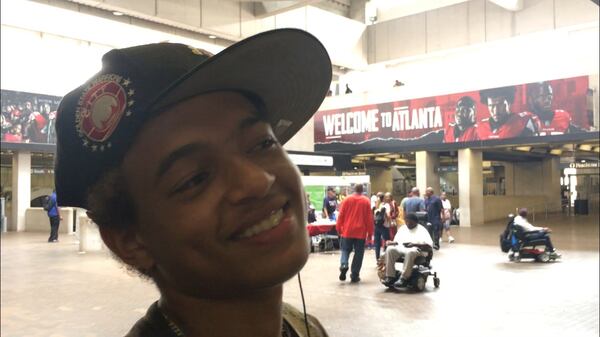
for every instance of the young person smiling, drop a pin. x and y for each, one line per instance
(176, 154)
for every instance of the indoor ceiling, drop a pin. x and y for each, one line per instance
(588, 151)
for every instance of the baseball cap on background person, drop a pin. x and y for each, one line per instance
(114, 122)
(288, 69)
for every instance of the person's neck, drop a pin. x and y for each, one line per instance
(256, 314)
(546, 116)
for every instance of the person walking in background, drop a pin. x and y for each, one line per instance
(433, 204)
(330, 204)
(389, 199)
(415, 203)
(408, 195)
(382, 222)
(340, 197)
(54, 215)
(354, 225)
(446, 216)
(376, 199)
(373, 201)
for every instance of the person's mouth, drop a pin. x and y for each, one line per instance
(269, 222)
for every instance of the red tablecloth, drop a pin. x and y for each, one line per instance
(314, 229)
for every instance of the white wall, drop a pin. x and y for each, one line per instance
(51, 50)
(391, 9)
(538, 56)
(470, 22)
(44, 63)
(344, 39)
(303, 140)
(499, 206)
(36, 220)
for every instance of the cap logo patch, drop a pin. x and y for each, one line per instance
(282, 126)
(199, 51)
(100, 109)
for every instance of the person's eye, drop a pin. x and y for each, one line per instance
(265, 144)
(196, 180)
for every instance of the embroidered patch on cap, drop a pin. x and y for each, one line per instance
(100, 109)
(282, 126)
(199, 51)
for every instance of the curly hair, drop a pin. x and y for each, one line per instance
(110, 205)
(109, 202)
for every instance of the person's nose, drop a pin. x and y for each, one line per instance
(246, 180)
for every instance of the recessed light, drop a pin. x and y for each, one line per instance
(117, 13)
(557, 152)
(212, 37)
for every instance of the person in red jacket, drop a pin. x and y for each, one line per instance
(503, 123)
(464, 128)
(548, 121)
(354, 225)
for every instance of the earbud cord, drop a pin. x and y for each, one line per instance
(303, 306)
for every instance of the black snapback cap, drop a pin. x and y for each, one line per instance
(289, 69)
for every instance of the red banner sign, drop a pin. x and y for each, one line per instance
(548, 108)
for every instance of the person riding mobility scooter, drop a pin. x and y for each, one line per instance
(520, 239)
(412, 246)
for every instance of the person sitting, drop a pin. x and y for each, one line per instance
(535, 233)
(410, 242)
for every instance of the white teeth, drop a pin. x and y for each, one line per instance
(266, 224)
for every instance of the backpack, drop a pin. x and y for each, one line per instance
(506, 237)
(380, 217)
(47, 203)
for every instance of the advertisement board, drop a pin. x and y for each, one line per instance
(512, 113)
(28, 117)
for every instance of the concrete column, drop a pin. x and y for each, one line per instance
(381, 179)
(551, 184)
(21, 189)
(470, 190)
(427, 174)
(509, 178)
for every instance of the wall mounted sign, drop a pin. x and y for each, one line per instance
(550, 108)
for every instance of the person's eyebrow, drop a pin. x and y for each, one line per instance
(189, 149)
(249, 122)
(173, 157)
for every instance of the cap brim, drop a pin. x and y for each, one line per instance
(289, 69)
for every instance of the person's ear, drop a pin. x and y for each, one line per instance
(128, 246)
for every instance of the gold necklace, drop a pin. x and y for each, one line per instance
(174, 328)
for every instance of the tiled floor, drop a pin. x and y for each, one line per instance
(50, 290)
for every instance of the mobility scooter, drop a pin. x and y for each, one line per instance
(514, 241)
(422, 268)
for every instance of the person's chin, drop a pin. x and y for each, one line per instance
(282, 266)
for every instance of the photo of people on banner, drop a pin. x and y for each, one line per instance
(28, 117)
(546, 108)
